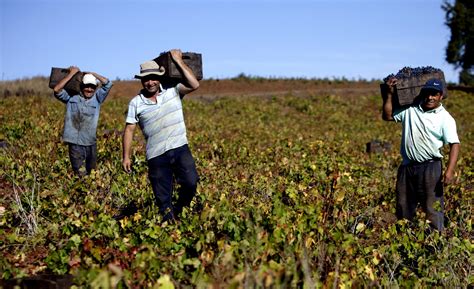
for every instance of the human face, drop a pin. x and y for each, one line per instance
(432, 99)
(88, 90)
(151, 84)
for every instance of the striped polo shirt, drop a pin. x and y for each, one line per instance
(425, 132)
(162, 123)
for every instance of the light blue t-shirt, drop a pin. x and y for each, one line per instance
(162, 123)
(425, 132)
(82, 115)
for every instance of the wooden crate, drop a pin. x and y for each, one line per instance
(395, 100)
(408, 89)
(193, 60)
(73, 86)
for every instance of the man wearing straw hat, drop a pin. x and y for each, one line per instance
(158, 111)
(82, 116)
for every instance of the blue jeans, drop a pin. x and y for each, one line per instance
(421, 183)
(177, 163)
(80, 155)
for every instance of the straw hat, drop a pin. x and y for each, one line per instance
(149, 68)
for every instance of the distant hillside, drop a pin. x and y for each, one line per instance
(212, 88)
(262, 87)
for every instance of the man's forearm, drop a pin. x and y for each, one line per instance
(387, 107)
(453, 157)
(190, 78)
(126, 144)
(61, 84)
(101, 78)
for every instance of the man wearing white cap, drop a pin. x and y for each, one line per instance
(159, 113)
(426, 127)
(82, 116)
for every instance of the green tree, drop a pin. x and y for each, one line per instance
(460, 49)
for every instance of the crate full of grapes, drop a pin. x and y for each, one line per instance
(410, 81)
(193, 60)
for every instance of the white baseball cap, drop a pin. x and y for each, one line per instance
(89, 79)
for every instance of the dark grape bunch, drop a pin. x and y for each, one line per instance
(408, 72)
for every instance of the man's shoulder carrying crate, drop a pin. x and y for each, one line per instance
(191, 59)
(408, 88)
(73, 86)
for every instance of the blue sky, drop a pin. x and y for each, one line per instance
(356, 39)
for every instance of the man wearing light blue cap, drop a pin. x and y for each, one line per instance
(426, 127)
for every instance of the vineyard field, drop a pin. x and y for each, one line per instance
(288, 195)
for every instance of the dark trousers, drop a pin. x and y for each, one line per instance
(80, 155)
(420, 183)
(177, 163)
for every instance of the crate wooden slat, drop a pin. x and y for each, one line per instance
(73, 86)
(193, 60)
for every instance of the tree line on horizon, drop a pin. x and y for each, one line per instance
(460, 48)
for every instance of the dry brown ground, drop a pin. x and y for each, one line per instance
(211, 89)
